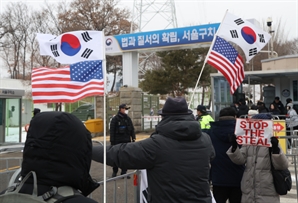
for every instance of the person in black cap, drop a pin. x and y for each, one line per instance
(204, 118)
(177, 156)
(35, 111)
(280, 106)
(242, 109)
(225, 175)
(262, 107)
(257, 181)
(121, 131)
(289, 100)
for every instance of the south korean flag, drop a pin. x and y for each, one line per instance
(72, 47)
(250, 38)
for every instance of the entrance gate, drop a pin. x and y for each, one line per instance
(10, 115)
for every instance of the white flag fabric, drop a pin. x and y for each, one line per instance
(72, 47)
(246, 35)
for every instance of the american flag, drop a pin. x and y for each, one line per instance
(67, 84)
(226, 59)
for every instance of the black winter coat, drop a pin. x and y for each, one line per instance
(177, 158)
(242, 110)
(121, 129)
(224, 172)
(58, 148)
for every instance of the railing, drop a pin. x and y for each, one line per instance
(124, 190)
(119, 189)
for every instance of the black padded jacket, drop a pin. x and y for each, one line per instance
(177, 158)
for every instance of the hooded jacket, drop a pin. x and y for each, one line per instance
(58, 148)
(292, 120)
(224, 172)
(176, 156)
(257, 182)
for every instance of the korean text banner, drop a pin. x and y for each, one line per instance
(72, 47)
(67, 84)
(161, 38)
(250, 38)
(254, 132)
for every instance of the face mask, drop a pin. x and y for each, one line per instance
(126, 111)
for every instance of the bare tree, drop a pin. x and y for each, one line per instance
(14, 41)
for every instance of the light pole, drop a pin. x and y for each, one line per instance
(269, 24)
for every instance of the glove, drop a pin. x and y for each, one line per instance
(275, 148)
(234, 142)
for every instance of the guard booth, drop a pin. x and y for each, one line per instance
(278, 77)
(10, 116)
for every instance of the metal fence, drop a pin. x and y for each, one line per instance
(119, 189)
(124, 190)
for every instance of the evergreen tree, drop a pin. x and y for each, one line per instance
(179, 71)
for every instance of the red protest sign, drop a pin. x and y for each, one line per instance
(254, 132)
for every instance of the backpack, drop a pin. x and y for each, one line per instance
(282, 179)
(55, 195)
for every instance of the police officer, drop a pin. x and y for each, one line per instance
(204, 118)
(121, 131)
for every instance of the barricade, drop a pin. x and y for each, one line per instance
(119, 189)
(149, 122)
(10, 161)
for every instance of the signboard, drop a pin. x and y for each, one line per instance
(160, 38)
(279, 128)
(8, 93)
(254, 132)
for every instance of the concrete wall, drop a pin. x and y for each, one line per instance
(284, 63)
(131, 96)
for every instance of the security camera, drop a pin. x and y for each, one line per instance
(269, 21)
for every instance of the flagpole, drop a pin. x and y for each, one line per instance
(212, 43)
(104, 123)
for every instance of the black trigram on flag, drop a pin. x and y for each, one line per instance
(262, 38)
(234, 33)
(86, 53)
(145, 195)
(86, 36)
(239, 21)
(253, 52)
(54, 50)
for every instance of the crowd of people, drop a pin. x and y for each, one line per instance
(187, 158)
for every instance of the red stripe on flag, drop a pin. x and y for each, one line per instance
(234, 73)
(54, 86)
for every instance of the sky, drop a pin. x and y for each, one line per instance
(198, 12)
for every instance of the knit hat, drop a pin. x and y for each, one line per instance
(262, 116)
(175, 106)
(252, 112)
